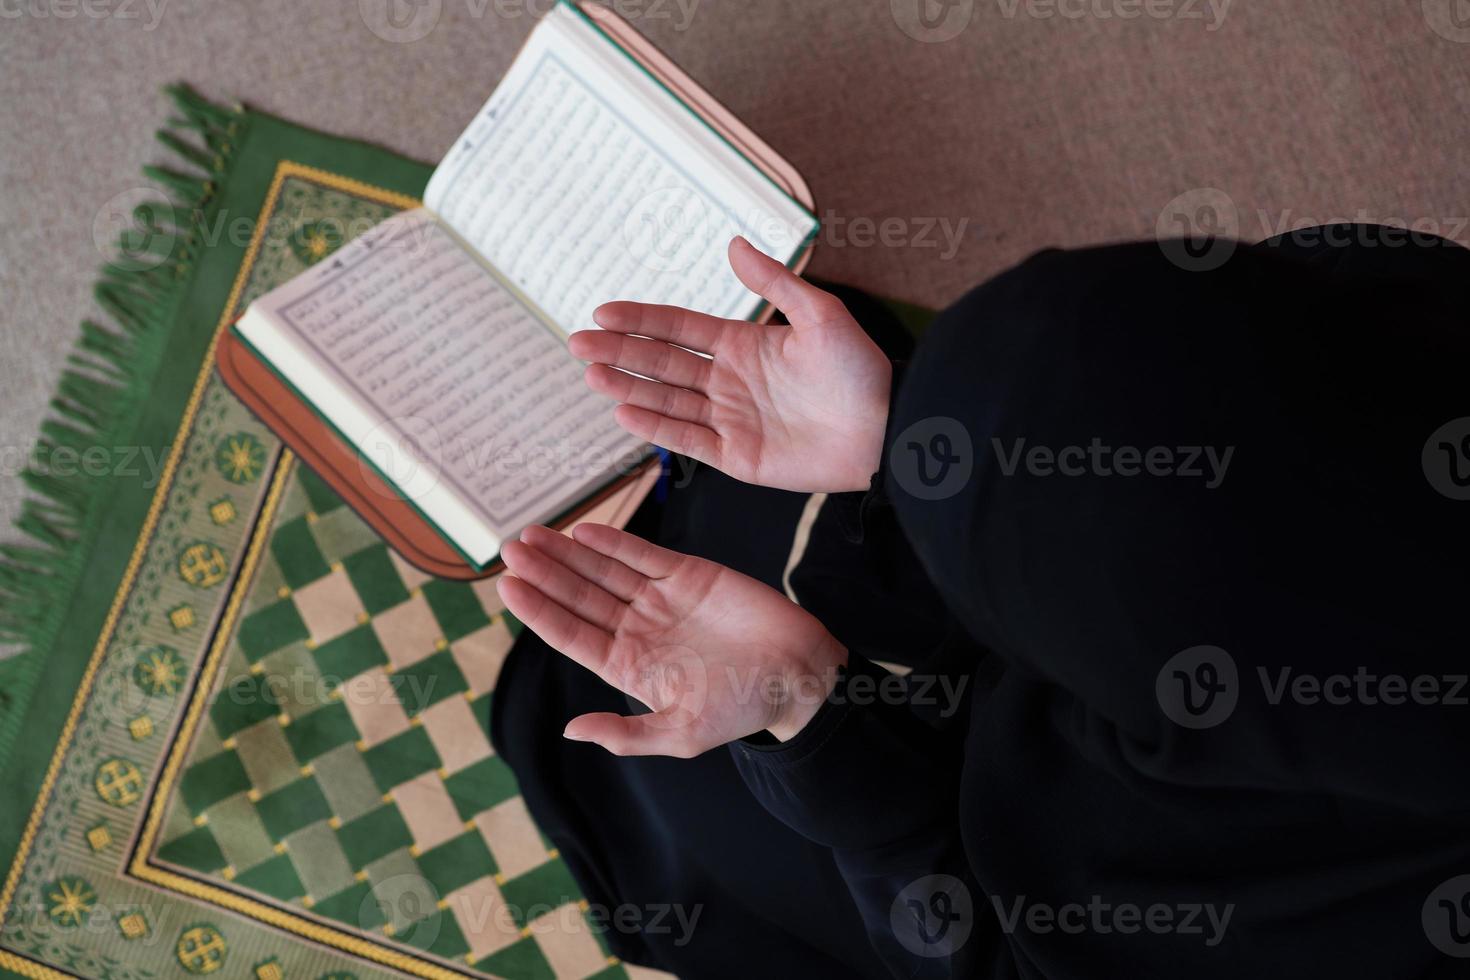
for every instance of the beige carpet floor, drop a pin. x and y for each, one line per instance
(1001, 127)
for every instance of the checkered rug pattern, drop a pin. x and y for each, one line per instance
(276, 764)
(344, 767)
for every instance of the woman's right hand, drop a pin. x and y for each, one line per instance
(800, 407)
(716, 655)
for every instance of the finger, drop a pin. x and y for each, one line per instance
(611, 574)
(664, 732)
(566, 588)
(687, 328)
(803, 303)
(564, 632)
(689, 438)
(659, 398)
(631, 550)
(650, 358)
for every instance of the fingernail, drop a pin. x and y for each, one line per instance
(575, 737)
(742, 240)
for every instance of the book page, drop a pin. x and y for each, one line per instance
(447, 381)
(583, 180)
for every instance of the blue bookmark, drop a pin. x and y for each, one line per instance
(666, 474)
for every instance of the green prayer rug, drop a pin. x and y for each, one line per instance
(244, 738)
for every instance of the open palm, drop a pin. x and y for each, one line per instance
(716, 655)
(799, 407)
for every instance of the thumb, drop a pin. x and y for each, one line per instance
(664, 732)
(803, 303)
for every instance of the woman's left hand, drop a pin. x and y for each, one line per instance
(716, 655)
(800, 407)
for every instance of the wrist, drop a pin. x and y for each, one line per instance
(807, 689)
(868, 455)
(871, 462)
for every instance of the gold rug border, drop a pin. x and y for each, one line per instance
(284, 169)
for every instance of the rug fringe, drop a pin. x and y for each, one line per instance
(97, 392)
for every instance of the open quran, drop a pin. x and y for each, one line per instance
(434, 344)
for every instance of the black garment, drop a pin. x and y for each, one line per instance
(1058, 784)
(663, 838)
(668, 842)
